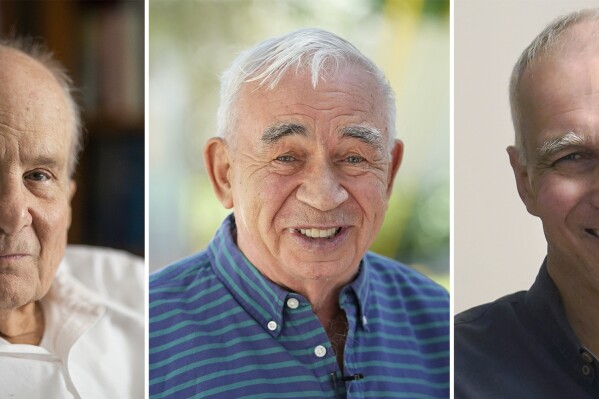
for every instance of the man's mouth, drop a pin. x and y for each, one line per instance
(12, 257)
(318, 233)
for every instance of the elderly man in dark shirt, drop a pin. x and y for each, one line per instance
(543, 343)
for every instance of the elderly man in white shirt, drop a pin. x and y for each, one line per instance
(71, 318)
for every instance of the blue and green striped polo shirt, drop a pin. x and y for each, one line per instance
(219, 329)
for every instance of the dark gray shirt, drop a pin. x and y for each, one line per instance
(521, 346)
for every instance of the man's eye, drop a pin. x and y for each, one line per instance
(354, 159)
(573, 157)
(38, 176)
(285, 158)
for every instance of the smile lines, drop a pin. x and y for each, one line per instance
(318, 233)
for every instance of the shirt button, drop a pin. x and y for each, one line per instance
(586, 369)
(292, 303)
(364, 320)
(272, 325)
(587, 357)
(320, 351)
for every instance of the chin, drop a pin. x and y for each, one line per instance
(15, 298)
(325, 270)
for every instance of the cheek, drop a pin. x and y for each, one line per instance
(557, 197)
(274, 188)
(371, 194)
(258, 199)
(51, 228)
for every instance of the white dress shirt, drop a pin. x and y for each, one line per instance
(93, 342)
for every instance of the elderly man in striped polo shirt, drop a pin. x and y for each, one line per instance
(286, 302)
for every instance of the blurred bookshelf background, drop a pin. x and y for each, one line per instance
(192, 42)
(101, 44)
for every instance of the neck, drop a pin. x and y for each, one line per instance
(24, 325)
(580, 298)
(333, 319)
(324, 299)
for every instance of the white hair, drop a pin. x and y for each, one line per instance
(38, 52)
(313, 49)
(543, 44)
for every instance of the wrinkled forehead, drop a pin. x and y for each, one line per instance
(349, 98)
(31, 98)
(561, 78)
(35, 120)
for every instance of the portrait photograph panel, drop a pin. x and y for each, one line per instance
(299, 199)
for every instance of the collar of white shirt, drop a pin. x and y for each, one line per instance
(89, 341)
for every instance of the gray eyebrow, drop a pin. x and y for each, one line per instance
(272, 134)
(557, 144)
(368, 135)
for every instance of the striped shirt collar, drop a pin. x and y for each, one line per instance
(263, 299)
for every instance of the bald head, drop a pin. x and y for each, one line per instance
(33, 83)
(567, 40)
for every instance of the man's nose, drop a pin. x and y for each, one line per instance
(321, 188)
(14, 208)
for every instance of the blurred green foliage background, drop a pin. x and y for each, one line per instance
(192, 41)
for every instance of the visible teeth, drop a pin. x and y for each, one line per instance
(594, 232)
(317, 233)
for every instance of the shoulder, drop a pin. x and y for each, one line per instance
(185, 297)
(502, 332)
(403, 279)
(501, 310)
(478, 328)
(181, 273)
(115, 276)
(409, 310)
(400, 292)
(191, 272)
(491, 331)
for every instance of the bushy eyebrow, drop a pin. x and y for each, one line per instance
(273, 134)
(368, 135)
(557, 144)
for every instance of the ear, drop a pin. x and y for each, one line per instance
(522, 180)
(396, 158)
(218, 166)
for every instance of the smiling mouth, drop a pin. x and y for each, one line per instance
(593, 232)
(318, 233)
